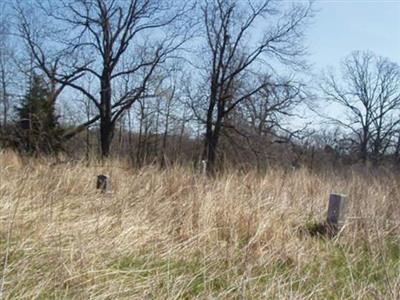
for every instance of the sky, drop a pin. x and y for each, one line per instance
(342, 26)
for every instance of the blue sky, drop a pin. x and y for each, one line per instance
(341, 26)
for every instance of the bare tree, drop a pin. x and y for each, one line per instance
(266, 109)
(263, 119)
(109, 39)
(5, 67)
(237, 55)
(369, 93)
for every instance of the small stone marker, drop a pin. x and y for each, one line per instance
(102, 181)
(204, 167)
(335, 217)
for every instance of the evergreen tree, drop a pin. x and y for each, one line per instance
(38, 127)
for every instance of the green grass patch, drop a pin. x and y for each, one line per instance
(196, 276)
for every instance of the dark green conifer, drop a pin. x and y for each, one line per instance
(38, 128)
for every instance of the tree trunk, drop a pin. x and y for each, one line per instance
(364, 145)
(106, 135)
(5, 97)
(88, 146)
(106, 123)
(130, 144)
(165, 135)
(213, 131)
(121, 136)
(364, 152)
(146, 141)
(179, 153)
(156, 139)
(397, 150)
(211, 144)
(139, 145)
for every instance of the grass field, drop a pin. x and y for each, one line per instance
(174, 234)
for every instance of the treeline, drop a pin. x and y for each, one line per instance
(221, 81)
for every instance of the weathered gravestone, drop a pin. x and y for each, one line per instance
(335, 215)
(102, 183)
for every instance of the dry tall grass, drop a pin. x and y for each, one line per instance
(174, 234)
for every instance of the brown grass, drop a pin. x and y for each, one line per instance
(174, 234)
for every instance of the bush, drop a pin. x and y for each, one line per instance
(38, 129)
